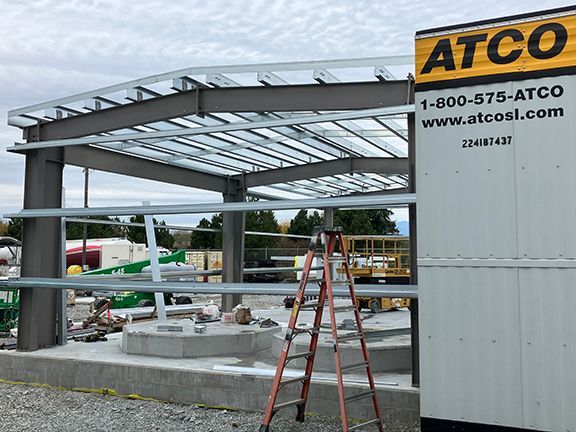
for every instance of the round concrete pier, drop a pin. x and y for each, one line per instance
(389, 354)
(219, 339)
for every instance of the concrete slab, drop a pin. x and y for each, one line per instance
(219, 339)
(390, 354)
(237, 381)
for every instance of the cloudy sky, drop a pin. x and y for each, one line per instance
(55, 48)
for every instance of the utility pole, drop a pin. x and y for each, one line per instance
(85, 226)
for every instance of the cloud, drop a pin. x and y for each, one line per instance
(54, 48)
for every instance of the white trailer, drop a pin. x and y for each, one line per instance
(496, 184)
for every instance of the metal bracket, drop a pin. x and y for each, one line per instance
(410, 88)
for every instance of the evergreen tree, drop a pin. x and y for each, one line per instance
(315, 220)
(304, 223)
(353, 222)
(15, 228)
(369, 222)
(216, 223)
(137, 234)
(202, 239)
(262, 221)
(381, 223)
(74, 230)
(299, 224)
(163, 236)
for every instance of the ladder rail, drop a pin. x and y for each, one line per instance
(271, 404)
(334, 329)
(358, 319)
(313, 341)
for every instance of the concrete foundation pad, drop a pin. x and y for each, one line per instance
(234, 381)
(391, 354)
(219, 339)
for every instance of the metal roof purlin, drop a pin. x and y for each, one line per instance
(203, 70)
(260, 120)
(323, 145)
(378, 112)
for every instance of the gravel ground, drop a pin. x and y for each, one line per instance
(28, 408)
(78, 312)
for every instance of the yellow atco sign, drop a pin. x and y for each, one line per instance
(502, 48)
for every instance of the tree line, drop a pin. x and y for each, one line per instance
(136, 234)
(353, 222)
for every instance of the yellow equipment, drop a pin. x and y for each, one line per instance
(74, 270)
(379, 259)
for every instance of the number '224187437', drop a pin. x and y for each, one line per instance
(486, 142)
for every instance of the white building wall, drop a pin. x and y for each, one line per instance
(497, 264)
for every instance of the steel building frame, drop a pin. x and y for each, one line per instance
(293, 135)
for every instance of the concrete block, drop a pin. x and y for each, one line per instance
(383, 357)
(219, 339)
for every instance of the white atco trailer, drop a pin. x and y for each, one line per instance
(496, 179)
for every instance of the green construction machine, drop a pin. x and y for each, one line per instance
(129, 299)
(9, 297)
(9, 303)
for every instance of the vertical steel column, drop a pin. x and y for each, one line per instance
(62, 295)
(154, 263)
(329, 222)
(85, 226)
(414, 324)
(233, 246)
(329, 217)
(41, 243)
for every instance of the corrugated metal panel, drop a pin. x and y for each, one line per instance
(545, 161)
(498, 344)
(470, 345)
(466, 196)
(548, 300)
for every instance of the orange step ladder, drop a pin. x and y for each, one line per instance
(331, 239)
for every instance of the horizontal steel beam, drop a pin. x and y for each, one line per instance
(327, 168)
(182, 275)
(405, 291)
(319, 203)
(307, 97)
(206, 70)
(179, 227)
(119, 163)
(230, 127)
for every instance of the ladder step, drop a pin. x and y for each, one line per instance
(341, 282)
(299, 355)
(309, 305)
(319, 280)
(295, 379)
(335, 259)
(300, 330)
(350, 336)
(361, 425)
(353, 366)
(359, 396)
(345, 308)
(288, 404)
